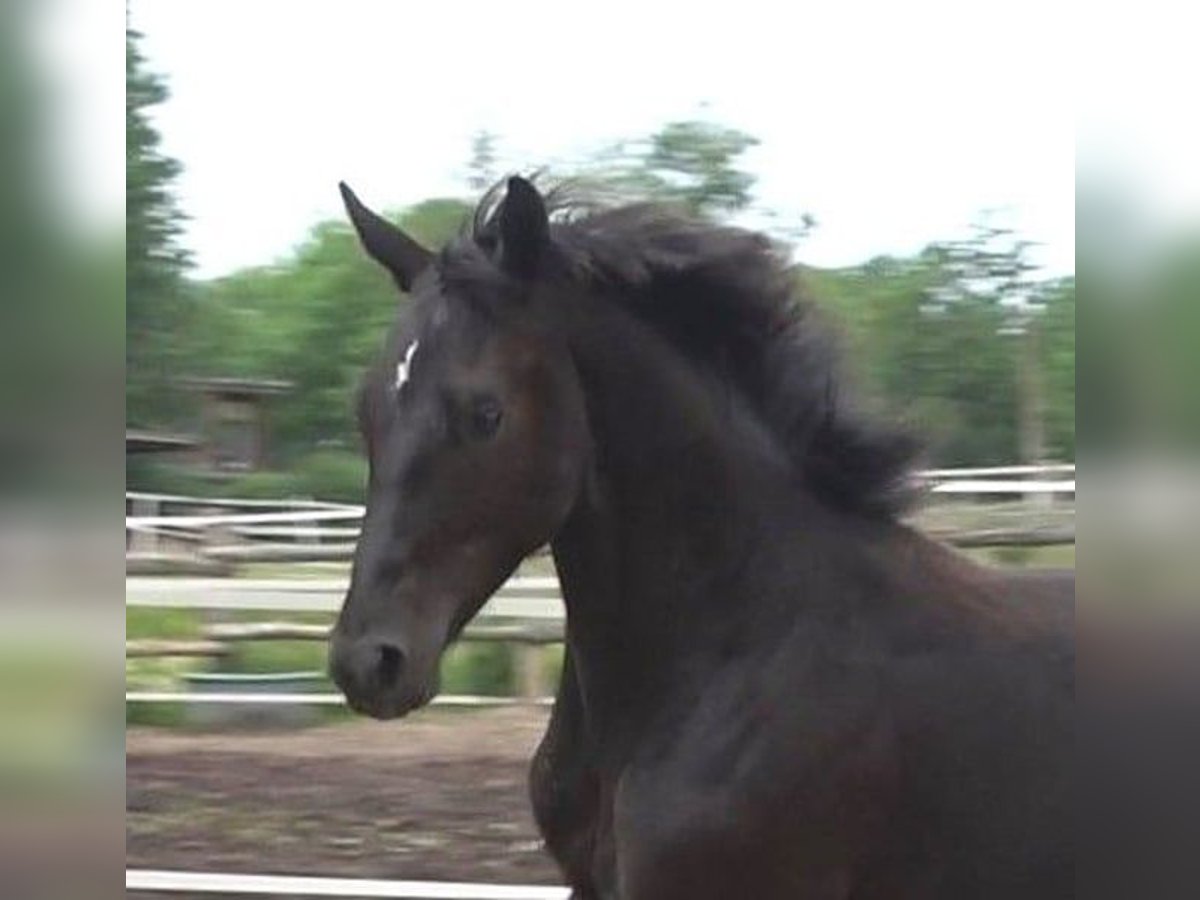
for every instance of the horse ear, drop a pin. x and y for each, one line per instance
(524, 228)
(384, 242)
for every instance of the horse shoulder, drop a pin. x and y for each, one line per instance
(567, 796)
(759, 786)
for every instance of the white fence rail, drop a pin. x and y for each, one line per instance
(535, 601)
(313, 698)
(231, 502)
(245, 521)
(518, 598)
(995, 487)
(211, 520)
(993, 471)
(297, 530)
(166, 881)
(532, 600)
(307, 521)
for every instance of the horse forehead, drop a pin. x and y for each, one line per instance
(416, 329)
(404, 366)
(452, 331)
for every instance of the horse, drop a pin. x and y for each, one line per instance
(773, 685)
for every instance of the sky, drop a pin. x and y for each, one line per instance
(893, 124)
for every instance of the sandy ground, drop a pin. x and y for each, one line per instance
(441, 796)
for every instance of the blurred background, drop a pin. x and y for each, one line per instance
(933, 216)
(922, 188)
(921, 164)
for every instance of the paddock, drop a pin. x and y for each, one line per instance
(440, 797)
(431, 806)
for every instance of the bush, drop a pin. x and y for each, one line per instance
(337, 475)
(157, 477)
(155, 715)
(275, 656)
(1013, 556)
(262, 486)
(193, 481)
(478, 668)
(552, 665)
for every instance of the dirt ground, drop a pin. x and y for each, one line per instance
(440, 796)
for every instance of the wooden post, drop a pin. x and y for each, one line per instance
(217, 535)
(144, 541)
(529, 670)
(1030, 408)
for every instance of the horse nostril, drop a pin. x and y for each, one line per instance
(389, 664)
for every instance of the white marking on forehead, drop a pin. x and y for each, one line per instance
(402, 367)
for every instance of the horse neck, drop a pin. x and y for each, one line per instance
(667, 559)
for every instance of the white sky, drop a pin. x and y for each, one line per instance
(893, 123)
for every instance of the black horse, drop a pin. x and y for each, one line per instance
(773, 688)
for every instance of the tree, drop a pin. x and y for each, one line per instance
(156, 302)
(695, 163)
(992, 267)
(1057, 364)
(481, 169)
(316, 319)
(691, 163)
(938, 366)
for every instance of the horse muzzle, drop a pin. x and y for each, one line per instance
(377, 675)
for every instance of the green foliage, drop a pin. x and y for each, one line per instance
(481, 170)
(992, 267)
(155, 715)
(276, 656)
(261, 486)
(161, 622)
(936, 338)
(434, 222)
(1057, 360)
(316, 319)
(153, 222)
(552, 661)
(991, 270)
(694, 164)
(158, 673)
(157, 304)
(939, 356)
(335, 475)
(158, 477)
(467, 668)
(1059, 557)
(1013, 556)
(478, 668)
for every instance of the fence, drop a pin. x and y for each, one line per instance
(526, 613)
(250, 533)
(162, 881)
(210, 534)
(531, 606)
(518, 598)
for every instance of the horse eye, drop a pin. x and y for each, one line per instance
(486, 414)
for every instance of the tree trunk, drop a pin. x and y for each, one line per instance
(1030, 404)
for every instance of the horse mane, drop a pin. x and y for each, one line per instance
(729, 301)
